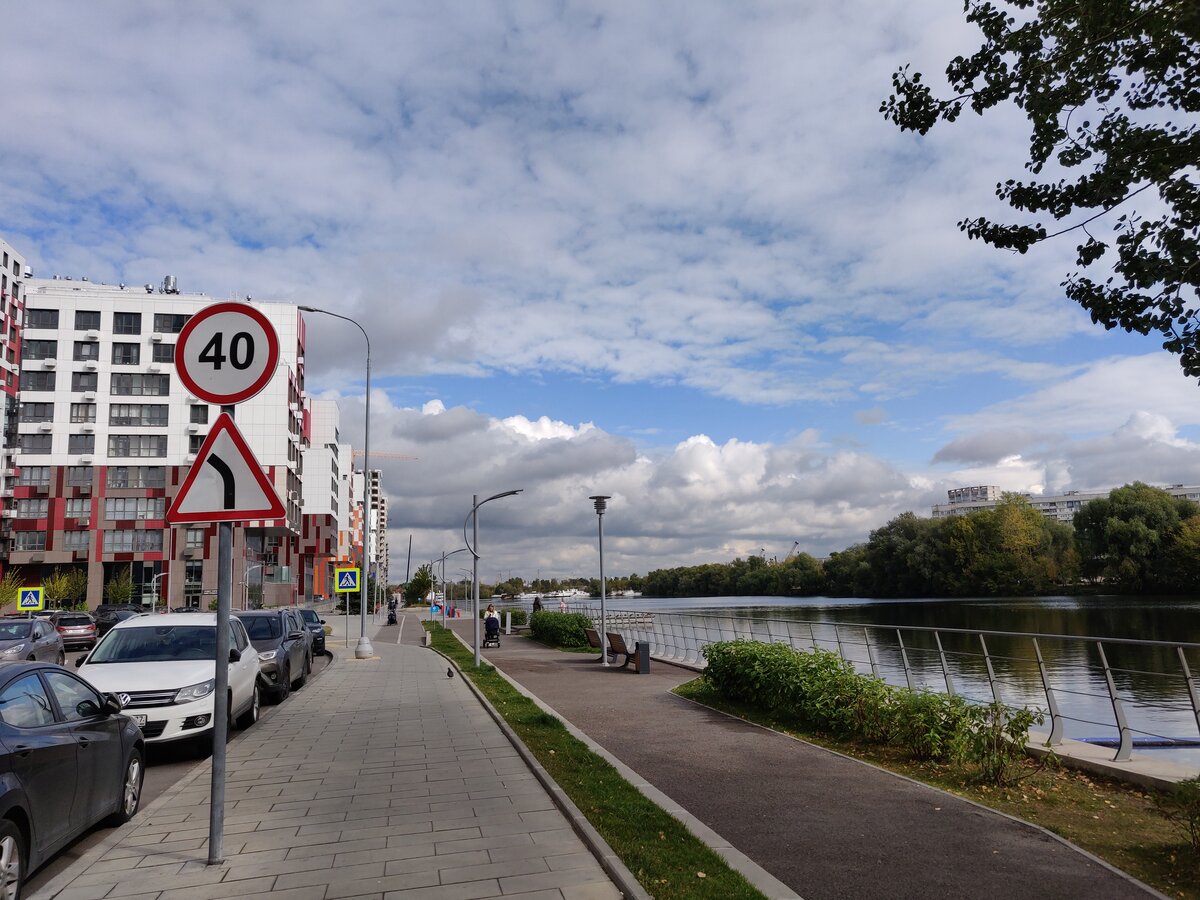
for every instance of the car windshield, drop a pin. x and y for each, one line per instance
(14, 631)
(160, 643)
(261, 628)
(310, 616)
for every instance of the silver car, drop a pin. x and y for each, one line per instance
(30, 639)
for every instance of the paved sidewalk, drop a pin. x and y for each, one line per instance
(383, 779)
(827, 826)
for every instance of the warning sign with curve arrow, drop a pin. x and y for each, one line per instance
(225, 483)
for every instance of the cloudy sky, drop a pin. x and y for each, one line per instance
(669, 252)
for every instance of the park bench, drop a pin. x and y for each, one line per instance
(616, 644)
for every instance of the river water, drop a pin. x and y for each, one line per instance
(1149, 680)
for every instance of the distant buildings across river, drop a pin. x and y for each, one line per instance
(1061, 507)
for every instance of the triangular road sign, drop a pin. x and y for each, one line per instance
(225, 483)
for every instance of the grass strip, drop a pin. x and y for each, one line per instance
(667, 859)
(1114, 820)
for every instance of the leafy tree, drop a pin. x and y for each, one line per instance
(76, 585)
(54, 586)
(119, 588)
(10, 584)
(1112, 86)
(419, 585)
(1127, 537)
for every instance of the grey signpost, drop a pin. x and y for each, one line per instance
(226, 353)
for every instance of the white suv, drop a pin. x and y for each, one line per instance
(165, 665)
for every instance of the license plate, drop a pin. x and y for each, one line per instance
(139, 721)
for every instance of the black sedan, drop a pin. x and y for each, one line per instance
(68, 759)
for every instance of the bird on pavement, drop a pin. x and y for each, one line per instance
(449, 673)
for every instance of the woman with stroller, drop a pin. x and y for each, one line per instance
(491, 626)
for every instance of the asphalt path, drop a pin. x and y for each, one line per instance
(165, 765)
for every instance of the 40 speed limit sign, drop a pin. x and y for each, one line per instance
(227, 353)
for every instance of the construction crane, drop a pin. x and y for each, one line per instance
(792, 552)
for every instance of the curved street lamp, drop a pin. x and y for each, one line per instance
(473, 547)
(364, 650)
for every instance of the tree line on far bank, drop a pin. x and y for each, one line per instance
(1139, 539)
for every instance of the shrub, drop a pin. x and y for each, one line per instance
(932, 726)
(997, 738)
(560, 629)
(1181, 807)
(520, 617)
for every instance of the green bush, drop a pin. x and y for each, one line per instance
(560, 629)
(932, 726)
(1181, 807)
(997, 739)
(520, 617)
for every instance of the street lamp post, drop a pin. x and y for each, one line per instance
(473, 546)
(444, 555)
(154, 591)
(246, 585)
(601, 503)
(364, 650)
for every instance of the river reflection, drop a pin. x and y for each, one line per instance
(1148, 679)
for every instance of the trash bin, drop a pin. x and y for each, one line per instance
(641, 653)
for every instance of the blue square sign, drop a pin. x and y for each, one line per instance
(346, 581)
(29, 599)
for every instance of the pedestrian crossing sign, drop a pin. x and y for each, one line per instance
(346, 580)
(29, 599)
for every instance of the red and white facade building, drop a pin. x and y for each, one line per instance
(105, 432)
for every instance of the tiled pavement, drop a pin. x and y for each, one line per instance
(383, 779)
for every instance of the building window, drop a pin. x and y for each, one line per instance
(79, 508)
(137, 414)
(123, 446)
(127, 323)
(170, 323)
(193, 582)
(141, 385)
(164, 353)
(36, 443)
(33, 350)
(34, 476)
(83, 412)
(198, 415)
(194, 539)
(136, 477)
(82, 381)
(126, 354)
(195, 442)
(41, 318)
(37, 412)
(75, 540)
(135, 507)
(32, 509)
(85, 350)
(37, 381)
(133, 541)
(79, 476)
(31, 540)
(81, 443)
(87, 320)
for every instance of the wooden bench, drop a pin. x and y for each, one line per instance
(616, 645)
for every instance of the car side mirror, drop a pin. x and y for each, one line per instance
(234, 654)
(297, 635)
(79, 662)
(112, 705)
(322, 621)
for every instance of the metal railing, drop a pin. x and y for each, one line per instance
(1140, 689)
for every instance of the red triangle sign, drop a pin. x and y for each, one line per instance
(225, 483)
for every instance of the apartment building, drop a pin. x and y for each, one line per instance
(326, 501)
(13, 273)
(105, 432)
(1060, 507)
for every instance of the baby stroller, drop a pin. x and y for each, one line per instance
(391, 619)
(491, 631)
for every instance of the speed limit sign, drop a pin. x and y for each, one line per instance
(227, 353)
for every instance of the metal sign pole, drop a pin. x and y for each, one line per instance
(216, 810)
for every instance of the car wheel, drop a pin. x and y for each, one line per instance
(250, 716)
(285, 684)
(12, 860)
(304, 670)
(62, 658)
(131, 791)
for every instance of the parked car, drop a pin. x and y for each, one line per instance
(109, 614)
(32, 639)
(165, 665)
(284, 648)
(316, 627)
(69, 759)
(77, 629)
